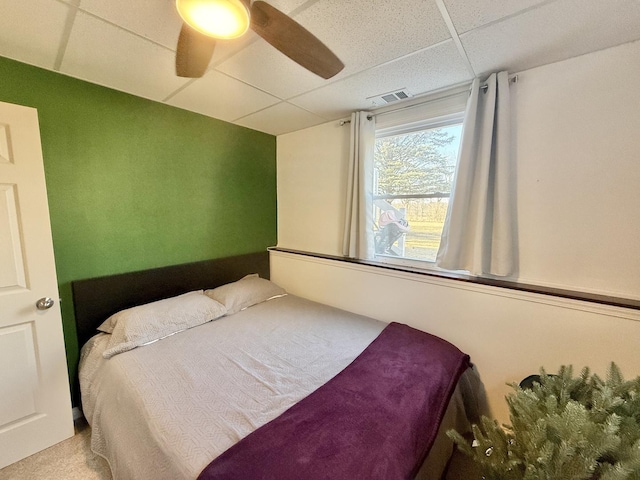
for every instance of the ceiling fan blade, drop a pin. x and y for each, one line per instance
(293, 40)
(194, 52)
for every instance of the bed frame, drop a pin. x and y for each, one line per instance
(96, 299)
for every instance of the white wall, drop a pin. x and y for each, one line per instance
(577, 154)
(577, 127)
(509, 335)
(312, 177)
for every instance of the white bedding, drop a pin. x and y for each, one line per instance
(165, 410)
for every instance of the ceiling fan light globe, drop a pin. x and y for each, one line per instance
(224, 19)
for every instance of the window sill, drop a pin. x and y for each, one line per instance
(507, 284)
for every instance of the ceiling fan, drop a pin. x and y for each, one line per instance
(208, 20)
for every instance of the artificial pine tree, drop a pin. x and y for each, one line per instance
(563, 428)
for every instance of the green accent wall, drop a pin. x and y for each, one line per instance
(135, 184)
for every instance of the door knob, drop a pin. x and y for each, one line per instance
(44, 303)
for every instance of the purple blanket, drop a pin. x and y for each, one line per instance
(377, 419)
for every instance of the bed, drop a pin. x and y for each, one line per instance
(212, 400)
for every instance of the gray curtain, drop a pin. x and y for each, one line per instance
(358, 230)
(479, 232)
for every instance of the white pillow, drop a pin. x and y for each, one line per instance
(244, 293)
(144, 324)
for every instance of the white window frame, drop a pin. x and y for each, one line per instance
(441, 112)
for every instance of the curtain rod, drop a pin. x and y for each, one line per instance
(513, 79)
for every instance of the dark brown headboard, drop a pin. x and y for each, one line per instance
(95, 299)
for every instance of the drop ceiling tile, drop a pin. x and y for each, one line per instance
(384, 31)
(280, 118)
(31, 32)
(225, 49)
(431, 69)
(469, 14)
(220, 96)
(365, 33)
(102, 53)
(287, 6)
(153, 19)
(158, 21)
(551, 33)
(264, 67)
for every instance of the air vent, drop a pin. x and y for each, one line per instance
(390, 97)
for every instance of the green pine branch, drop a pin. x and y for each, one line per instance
(564, 427)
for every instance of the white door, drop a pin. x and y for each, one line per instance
(35, 404)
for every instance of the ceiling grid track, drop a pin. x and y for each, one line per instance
(66, 33)
(449, 43)
(454, 35)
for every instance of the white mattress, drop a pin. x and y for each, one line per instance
(165, 410)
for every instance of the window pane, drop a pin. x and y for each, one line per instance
(413, 179)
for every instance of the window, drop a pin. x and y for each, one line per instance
(414, 165)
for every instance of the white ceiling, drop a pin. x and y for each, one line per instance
(420, 45)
